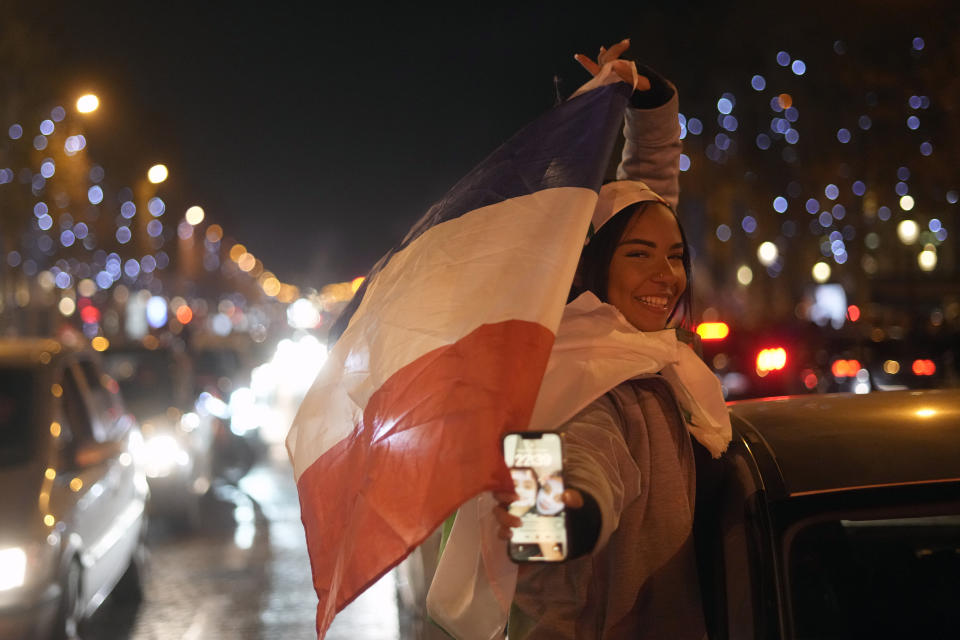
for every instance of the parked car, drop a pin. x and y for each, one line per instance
(834, 516)
(72, 495)
(178, 436)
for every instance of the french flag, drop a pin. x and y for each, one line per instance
(445, 349)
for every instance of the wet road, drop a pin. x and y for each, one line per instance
(242, 573)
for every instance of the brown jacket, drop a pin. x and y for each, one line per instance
(630, 450)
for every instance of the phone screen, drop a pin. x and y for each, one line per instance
(535, 460)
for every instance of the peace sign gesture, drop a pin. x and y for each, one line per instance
(623, 68)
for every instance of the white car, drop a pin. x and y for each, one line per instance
(72, 494)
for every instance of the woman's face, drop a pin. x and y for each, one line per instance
(646, 274)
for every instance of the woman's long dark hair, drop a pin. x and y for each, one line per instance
(594, 269)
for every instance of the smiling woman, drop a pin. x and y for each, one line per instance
(639, 262)
(629, 461)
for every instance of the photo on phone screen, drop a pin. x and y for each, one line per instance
(535, 460)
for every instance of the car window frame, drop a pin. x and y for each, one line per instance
(107, 403)
(903, 501)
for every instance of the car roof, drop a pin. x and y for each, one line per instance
(836, 442)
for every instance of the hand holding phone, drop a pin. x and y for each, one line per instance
(536, 512)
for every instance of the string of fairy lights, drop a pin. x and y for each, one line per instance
(851, 181)
(66, 234)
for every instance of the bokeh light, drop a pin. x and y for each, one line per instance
(95, 194)
(927, 259)
(156, 312)
(156, 207)
(194, 215)
(767, 253)
(157, 173)
(67, 306)
(908, 231)
(88, 103)
(184, 314)
(214, 233)
(821, 272)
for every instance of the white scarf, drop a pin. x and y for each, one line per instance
(595, 350)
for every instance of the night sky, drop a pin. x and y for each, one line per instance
(316, 137)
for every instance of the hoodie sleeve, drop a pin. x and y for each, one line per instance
(597, 462)
(651, 131)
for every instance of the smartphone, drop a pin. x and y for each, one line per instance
(535, 460)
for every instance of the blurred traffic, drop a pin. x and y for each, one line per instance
(72, 487)
(108, 457)
(841, 351)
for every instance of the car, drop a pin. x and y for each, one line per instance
(834, 516)
(178, 435)
(73, 517)
(799, 358)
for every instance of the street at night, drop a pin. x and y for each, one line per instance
(292, 295)
(240, 574)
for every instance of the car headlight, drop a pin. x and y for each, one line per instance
(13, 568)
(28, 565)
(162, 454)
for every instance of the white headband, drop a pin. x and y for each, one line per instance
(616, 196)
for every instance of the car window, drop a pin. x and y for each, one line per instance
(150, 381)
(16, 414)
(75, 413)
(104, 392)
(876, 578)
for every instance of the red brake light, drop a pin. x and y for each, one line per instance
(924, 367)
(845, 368)
(772, 359)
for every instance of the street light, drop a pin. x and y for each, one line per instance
(88, 103)
(194, 215)
(157, 173)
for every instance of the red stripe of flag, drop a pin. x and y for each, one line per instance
(429, 429)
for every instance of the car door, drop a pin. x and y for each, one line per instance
(90, 463)
(734, 547)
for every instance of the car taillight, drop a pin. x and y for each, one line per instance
(845, 368)
(771, 359)
(713, 330)
(924, 367)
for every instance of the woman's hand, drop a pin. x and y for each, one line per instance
(572, 499)
(623, 68)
